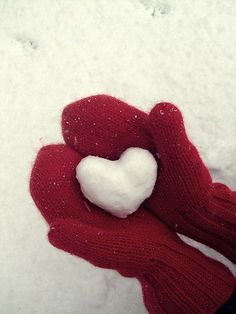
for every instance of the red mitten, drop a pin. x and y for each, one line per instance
(185, 197)
(175, 278)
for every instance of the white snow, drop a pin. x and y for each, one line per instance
(53, 52)
(118, 186)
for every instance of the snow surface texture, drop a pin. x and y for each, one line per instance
(118, 186)
(55, 52)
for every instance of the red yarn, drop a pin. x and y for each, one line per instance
(104, 126)
(184, 196)
(175, 277)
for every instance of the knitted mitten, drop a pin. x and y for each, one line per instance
(185, 197)
(175, 278)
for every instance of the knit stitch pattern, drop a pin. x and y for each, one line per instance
(175, 277)
(185, 197)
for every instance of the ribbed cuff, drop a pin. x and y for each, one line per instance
(183, 283)
(215, 224)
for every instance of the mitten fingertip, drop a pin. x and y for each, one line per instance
(164, 109)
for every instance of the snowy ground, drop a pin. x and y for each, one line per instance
(53, 52)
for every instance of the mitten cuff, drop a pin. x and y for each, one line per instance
(223, 212)
(183, 283)
(213, 224)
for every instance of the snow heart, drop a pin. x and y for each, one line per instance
(119, 186)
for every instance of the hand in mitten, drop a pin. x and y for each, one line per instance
(175, 278)
(185, 197)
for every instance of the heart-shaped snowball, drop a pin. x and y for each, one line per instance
(119, 186)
